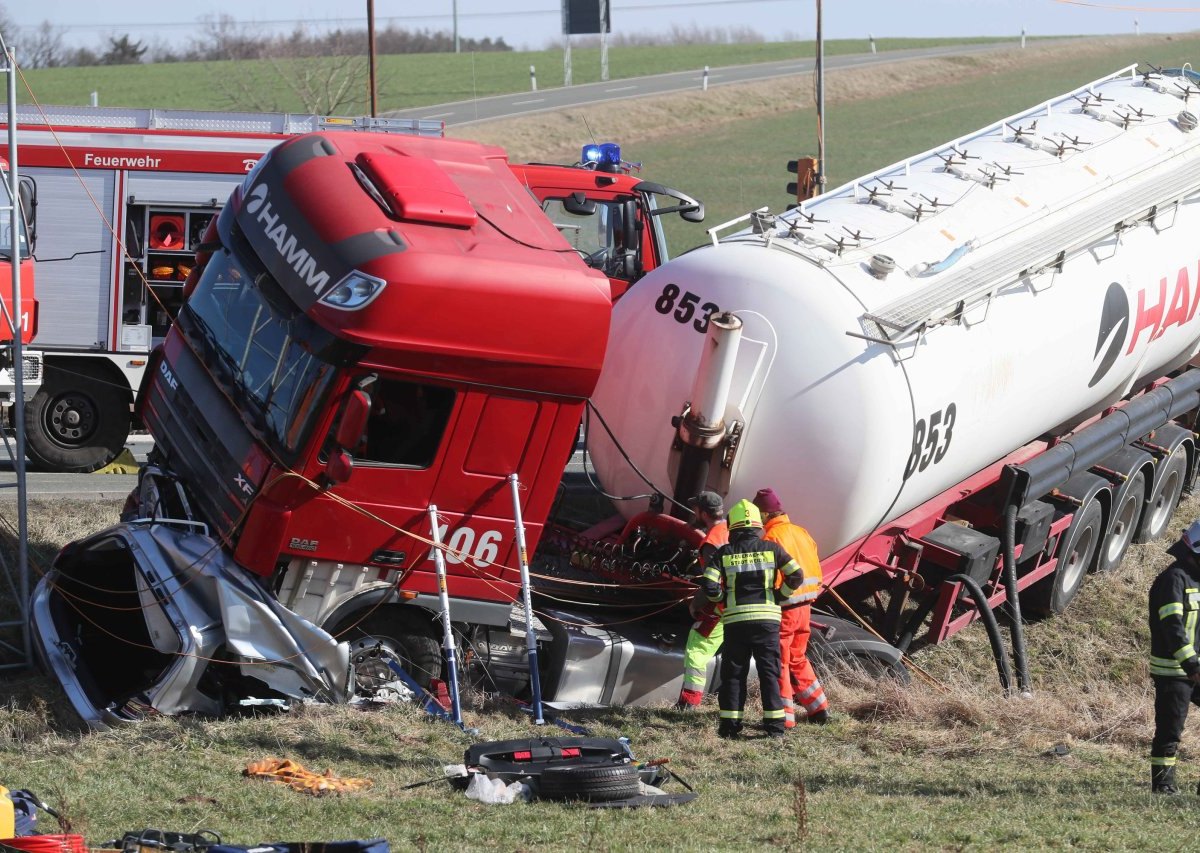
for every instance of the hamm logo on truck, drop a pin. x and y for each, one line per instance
(259, 207)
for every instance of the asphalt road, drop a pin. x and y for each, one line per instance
(44, 486)
(545, 100)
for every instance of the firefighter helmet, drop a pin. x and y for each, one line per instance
(1190, 537)
(744, 514)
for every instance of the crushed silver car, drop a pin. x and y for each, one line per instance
(154, 618)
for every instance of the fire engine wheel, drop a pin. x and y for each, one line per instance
(1054, 594)
(598, 783)
(1165, 498)
(1125, 518)
(77, 422)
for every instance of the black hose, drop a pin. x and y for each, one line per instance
(989, 622)
(1014, 600)
(914, 623)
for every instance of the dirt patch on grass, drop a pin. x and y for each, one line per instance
(554, 136)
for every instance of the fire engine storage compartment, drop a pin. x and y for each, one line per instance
(147, 618)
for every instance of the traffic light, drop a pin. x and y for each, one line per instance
(805, 170)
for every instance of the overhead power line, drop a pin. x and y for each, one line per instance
(401, 19)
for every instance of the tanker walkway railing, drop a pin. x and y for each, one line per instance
(1048, 248)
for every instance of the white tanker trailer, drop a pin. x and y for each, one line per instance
(909, 339)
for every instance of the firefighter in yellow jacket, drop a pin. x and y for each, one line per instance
(741, 575)
(706, 635)
(798, 683)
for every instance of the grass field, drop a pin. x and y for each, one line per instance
(408, 80)
(729, 146)
(946, 764)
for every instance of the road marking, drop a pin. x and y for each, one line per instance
(534, 101)
(621, 89)
(441, 115)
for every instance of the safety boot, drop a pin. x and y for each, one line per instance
(1162, 779)
(728, 730)
(820, 718)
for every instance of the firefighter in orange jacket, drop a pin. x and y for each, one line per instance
(705, 636)
(798, 683)
(741, 575)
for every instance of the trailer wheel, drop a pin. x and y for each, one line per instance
(384, 633)
(598, 783)
(1054, 594)
(78, 421)
(1165, 498)
(1125, 518)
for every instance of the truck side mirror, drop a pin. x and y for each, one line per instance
(339, 467)
(354, 422)
(27, 192)
(693, 214)
(579, 204)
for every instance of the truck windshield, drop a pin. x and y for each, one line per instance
(261, 348)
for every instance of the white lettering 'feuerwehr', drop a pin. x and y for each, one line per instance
(297, 257)
(101, 161)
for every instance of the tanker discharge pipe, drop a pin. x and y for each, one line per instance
(701, 428)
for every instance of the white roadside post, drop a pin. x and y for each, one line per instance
(871, 39)
(535, 678)
(439, 560)
(704, 80)
(532, 79)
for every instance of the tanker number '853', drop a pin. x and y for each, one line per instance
(687, 307)
(462, 546)
(931, 440)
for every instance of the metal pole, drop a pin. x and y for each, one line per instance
(820, 103)
(603, 41)
(14, 189)
(567, 61)
(439, 560)
(535, 678)
(455, 7)
(371, 54)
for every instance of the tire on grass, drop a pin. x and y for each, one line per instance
(597, 783)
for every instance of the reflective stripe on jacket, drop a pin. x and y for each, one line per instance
(796, 541)
(742, 575)
(1174, 617)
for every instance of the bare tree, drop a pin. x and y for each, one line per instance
(44, 48)
(322, 84)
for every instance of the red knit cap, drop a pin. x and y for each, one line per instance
(767, 501)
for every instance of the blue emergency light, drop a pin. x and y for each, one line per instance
(602, 155)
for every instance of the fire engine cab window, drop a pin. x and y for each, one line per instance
(407, 423)
(593, 235)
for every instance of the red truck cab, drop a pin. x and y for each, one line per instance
(26, 212)
(416, 276)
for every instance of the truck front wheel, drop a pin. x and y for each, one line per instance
(78, 421)
(390, 633)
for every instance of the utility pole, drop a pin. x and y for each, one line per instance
(371, 55)
(821, 171)
(455, 9)
(603, 41)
